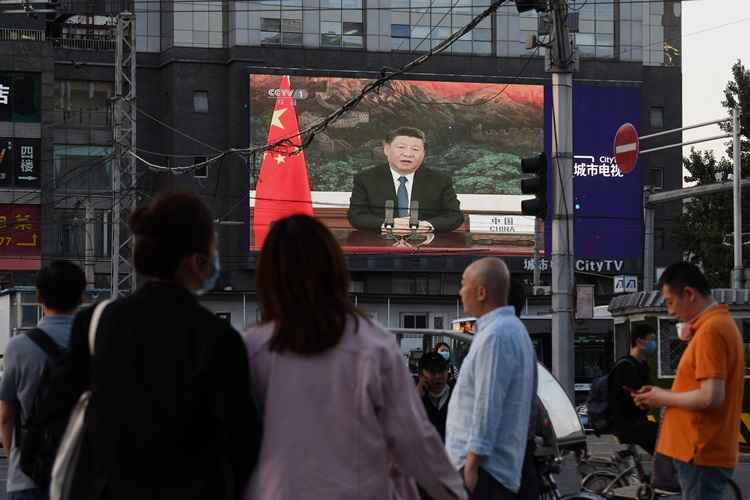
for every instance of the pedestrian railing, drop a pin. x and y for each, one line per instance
(21, 35)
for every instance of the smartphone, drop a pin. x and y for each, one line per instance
(629, 390)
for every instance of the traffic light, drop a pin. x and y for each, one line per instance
(526, 5)
(536, 184)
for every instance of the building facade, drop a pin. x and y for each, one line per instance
(193, 64)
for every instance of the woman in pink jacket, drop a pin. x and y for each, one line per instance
(341, 418)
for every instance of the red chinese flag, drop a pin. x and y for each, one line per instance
(283, 188)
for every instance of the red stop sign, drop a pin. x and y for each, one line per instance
(626, 147)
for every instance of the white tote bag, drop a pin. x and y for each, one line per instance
(66, 459)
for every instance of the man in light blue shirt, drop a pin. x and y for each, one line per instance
(60, 287)
(488, 415)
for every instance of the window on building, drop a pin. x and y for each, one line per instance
(74, 95)
(30, 314)
(596, 36)
(82, 167)
(438, 323)
(631, 30)
(148, 36)
(656, 177)
(342, 24)
(281, 22)
(83, 102)
(414, 320)
(419, 25)
(198, 24)
(200, 172)
(69, 234)
(200, 101)
(656, 116)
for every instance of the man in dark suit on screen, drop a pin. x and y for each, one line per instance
(404, 180)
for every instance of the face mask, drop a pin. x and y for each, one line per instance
(210, 282)
(650, 347)
(446, 355)
(684, 331)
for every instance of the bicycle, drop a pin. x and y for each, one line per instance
(623, 477)
(548, 462)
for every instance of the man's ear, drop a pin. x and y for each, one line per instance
(481, 293)
(386, 149)
(689, 294)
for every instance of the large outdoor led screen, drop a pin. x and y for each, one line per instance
(476, 135)
(607, 203)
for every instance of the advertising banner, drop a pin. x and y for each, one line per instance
(20, 97)
(20, 162)
(20, 237)
(607, 202)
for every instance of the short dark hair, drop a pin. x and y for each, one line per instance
(517, 296)
(639, 331)
(171, 227)
(60, 285)
(303, 286)
(433, 362)
(406, 132)
(682, 274)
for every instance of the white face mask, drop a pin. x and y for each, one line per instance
(684, 331)
(685, 328)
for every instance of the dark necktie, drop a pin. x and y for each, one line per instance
(403, 197)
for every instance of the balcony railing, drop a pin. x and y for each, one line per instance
(21, 35)
(83, 43)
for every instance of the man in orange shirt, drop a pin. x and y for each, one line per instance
(701, 426)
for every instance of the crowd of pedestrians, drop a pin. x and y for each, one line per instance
(316, 401)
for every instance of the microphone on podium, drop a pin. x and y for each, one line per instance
(388, 223)
(414, 215)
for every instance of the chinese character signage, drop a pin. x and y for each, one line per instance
(501, 224)
(20, 97)
(20, 236)
(26, 163)
(19, 163)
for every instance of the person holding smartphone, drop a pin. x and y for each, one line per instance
(630, 374)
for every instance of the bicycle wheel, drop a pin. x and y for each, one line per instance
(598, 481)
(732, 491)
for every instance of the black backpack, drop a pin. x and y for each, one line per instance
(41, 432)
(599, 401)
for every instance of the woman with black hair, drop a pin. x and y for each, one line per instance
(171, 414)
(341, 417)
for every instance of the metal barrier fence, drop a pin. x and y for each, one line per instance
(16, 35)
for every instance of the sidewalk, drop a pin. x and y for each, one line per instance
(606, 445)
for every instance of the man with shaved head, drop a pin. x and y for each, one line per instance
(488, 414)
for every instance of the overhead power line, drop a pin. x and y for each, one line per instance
(307, 135)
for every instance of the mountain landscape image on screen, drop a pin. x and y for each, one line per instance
(477, 132)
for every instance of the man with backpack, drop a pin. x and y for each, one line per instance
(610, 405)
(629, 423)
(30, 362)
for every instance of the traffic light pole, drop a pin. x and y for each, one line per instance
(563, 251)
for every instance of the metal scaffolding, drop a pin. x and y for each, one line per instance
(124, 178)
